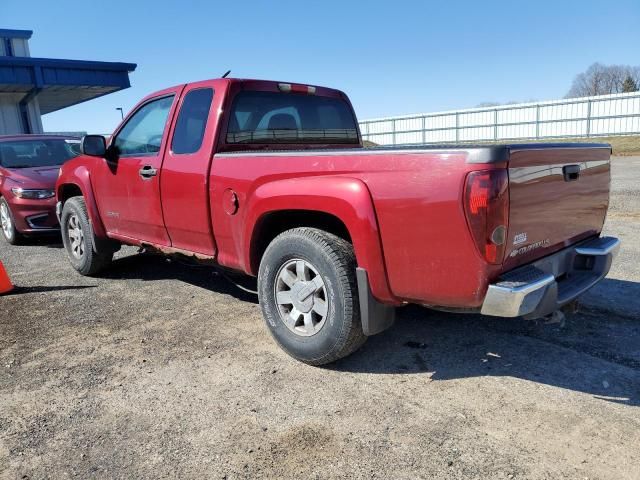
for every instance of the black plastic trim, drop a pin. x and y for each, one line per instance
(476, 153)
(376, 317)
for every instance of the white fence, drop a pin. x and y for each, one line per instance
(617, 114)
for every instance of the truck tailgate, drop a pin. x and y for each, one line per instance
(558, 196)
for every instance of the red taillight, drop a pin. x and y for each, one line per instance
(486, 205)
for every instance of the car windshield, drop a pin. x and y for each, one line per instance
(270, 118)
(37, 153)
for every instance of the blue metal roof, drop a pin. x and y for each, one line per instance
(61, 83)
(8, 33)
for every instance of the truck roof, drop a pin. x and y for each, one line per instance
(256, 84)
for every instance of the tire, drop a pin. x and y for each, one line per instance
(296, 263)
(8, 224)
(79, 240)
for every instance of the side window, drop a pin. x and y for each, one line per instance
(143, 132)
(192, 121)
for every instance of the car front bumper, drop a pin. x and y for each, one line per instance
(34, 216)
(540, 288)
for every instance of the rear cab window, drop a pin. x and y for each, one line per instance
(192, 121)
(259, 117)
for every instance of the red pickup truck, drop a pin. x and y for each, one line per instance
(271, 179)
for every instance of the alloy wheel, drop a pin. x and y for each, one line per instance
(5, 219)
(301, 297)
(76, 236)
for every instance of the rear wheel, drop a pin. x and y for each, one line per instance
(79, 240)
(9, 232)
(308, 295)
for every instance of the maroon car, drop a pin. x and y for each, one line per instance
(29, 167)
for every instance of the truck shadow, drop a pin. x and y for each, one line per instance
(48, 240)
(149, 267)
(593, 352)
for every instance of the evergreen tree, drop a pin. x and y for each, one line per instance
(629, 85)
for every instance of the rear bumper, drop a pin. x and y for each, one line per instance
(546, 285)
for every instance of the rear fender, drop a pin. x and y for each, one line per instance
(81, 178)
(347, 199)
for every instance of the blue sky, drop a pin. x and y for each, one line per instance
(391, 58)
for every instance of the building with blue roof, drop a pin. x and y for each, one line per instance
(31, 87)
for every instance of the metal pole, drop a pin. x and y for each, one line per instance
(457, 127)
(393, 130)
(588, 117)
(537, 121)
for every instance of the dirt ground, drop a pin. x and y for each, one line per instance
(162, 370)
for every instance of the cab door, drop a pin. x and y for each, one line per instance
(185, 171)
(128, 188)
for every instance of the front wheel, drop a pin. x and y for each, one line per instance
(9, 231)
(309, 297)
(79, 241)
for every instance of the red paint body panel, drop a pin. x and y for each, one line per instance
(301, 184)
(378, 198)
(403, 209)
(549, 209)
(76, 173)
(129, 204)
(185, 182)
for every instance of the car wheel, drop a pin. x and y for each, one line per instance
(308, 294)
(79, 240)
(9, 232)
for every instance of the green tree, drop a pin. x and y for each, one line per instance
(629, 85)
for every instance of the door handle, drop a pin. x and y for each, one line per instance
(571, 172)
(147, 172)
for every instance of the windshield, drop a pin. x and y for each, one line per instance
(269, 117)
(37, 153)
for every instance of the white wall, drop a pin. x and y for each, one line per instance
(20, 47)
(10, 118)
(617, 114)
(10, 122)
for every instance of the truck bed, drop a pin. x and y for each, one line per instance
(417, 192)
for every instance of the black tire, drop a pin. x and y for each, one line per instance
(12, 236)
(334, 261)
(90, 260)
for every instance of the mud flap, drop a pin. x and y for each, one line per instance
(376, 317)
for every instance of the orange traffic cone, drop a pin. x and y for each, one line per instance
(5, 283)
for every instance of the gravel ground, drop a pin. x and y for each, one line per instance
(161, 370)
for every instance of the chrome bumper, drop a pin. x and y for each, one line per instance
(546, 285)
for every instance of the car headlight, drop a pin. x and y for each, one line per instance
(33, 193)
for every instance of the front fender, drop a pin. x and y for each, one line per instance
(345, 198)
(80, 177)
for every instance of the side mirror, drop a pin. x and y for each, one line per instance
(94, 145)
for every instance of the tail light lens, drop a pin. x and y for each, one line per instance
(486, 206)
